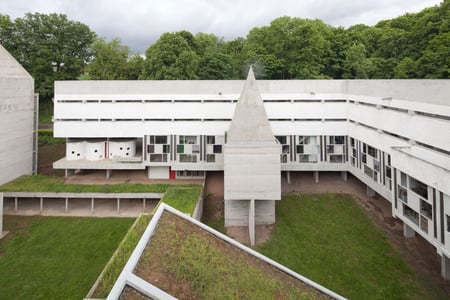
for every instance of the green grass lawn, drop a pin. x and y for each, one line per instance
(182, 198)
(330, 240)
(40, 183)
(56, 257)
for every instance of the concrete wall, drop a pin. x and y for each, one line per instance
(237, 212)
(17, 113)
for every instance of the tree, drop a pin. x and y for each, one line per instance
(109, 60)
(171, 57)
(50, 47)
(406, 69)
(356, 65)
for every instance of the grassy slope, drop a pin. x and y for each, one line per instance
(55, 257)
(329, 239)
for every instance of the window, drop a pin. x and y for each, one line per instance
(158, 139)
(166, 148)
(418, 187)
(352, 142)
(187, 139)
(411, 214)
(180, 148)
(210, 158)
(388, 172)
(376, 165)
(448, 222)
(282, 139)
(158, 158)
(195, 148)
(426, 209)
(307, 158)
(403, 194)
(424, 224)
(150, 148)
(336, 159)
(300, 149)
(368, 171)
(217, 148)
(330, 149)
(403, 179)
(364, 158)
(372, 151)
(188, 158)
(337, 140)
(210, 139)
(285, 149)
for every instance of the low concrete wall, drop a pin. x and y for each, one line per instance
(1, 215)
(198, 211)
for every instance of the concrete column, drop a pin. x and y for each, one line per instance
(143, 204)
(445, 267)
(108, 174)
(288, 177)
(251, 222)
(1, 215)
(118, 206)
(370, 192)
(344, 175)
(69, 172)
(67, 205)
(316, 176)
(408, 232)
(41, 204)
(92, 205)
(16, 205)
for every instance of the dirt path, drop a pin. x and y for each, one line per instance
(417, 252)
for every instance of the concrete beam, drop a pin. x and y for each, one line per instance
(408, 232)
(445, 267)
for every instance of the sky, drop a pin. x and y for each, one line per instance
(139, 23)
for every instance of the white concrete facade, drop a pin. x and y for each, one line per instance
(394, 135)
(18, 120)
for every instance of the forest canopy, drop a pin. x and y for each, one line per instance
(52, 47)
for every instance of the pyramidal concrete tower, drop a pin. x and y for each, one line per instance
(252, 175)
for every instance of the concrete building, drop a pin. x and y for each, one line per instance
(393, 135)
(18, 120)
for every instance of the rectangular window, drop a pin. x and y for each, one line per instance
(372, 151)
(388, 172)
(307, 158)
(364, 158)
(337, 140)
(217, 148)
(424, 224)
(403, 194)
(166, 148)
(285, 149)
(158, 158)
(426, 209)
(188, 158)
(187, 139)
(210, 139)
(195, 148)
(368, 171)
(160, 139)
(180, 148)
(150, 149)
(300, 149)
(403, 179)
(352, 142)
(411, 214)
(282, 139)
(330, 149)
(418, 187)
(210, 158)
(336, 159)
(376, 165)
(448, 222)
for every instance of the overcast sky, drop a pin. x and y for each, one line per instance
(139, 23)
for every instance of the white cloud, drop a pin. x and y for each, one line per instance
(139, 23)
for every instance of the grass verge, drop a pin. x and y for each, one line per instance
(329, 239)
(55, 257)
(40, 183)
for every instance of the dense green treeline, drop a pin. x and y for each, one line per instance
(51, 47)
